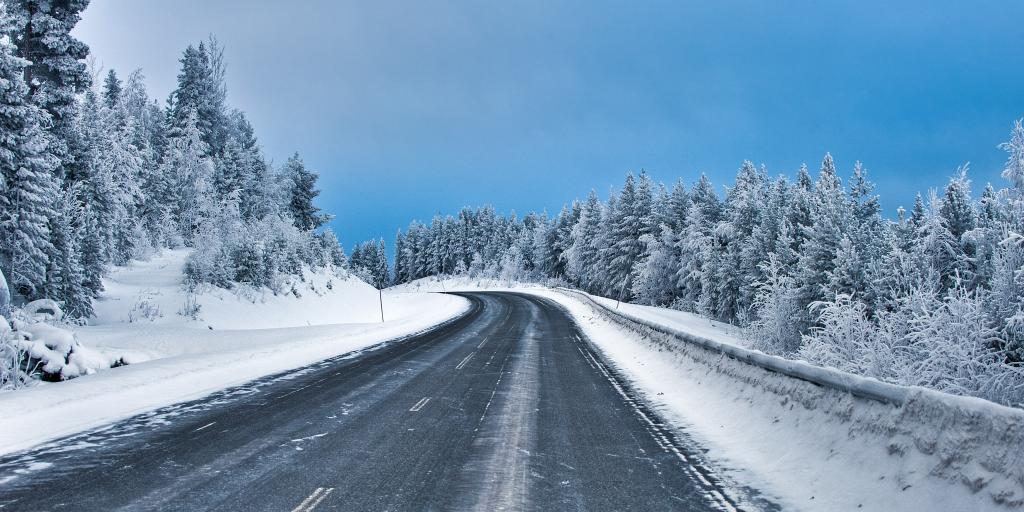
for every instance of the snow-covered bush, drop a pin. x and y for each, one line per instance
(939, 342)
(776, 327)
(952, 349)
(846, 337)
(191, 307)
(230, 251)
(12, 376)
(33, 348)
(145, 308)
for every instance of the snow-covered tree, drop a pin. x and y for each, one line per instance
(55, 71)
(583, 254)
(829, 217)
(301, 191)
(810, 268)
(29, 187)
(1014, 169)
(64, 280)
(654, 277)
(775, 328)
(630, 220)
(189, 179)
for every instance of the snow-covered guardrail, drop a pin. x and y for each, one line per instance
(858, 386)
(962, 439)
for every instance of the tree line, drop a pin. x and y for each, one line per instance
(809, 267)
(94, 173)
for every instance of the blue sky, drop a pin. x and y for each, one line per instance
(412, 108)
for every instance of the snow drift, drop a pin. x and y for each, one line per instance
(922, 434)
(183, 344)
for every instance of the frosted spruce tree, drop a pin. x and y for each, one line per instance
(300, 189)
(30, 187)
(582, 256)
(189, 187)
(55, 72)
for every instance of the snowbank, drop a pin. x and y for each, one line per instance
(233, 338)
(145, 313)
(150, 292)
(814, 446)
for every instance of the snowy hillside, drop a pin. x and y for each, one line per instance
(236, 337)
(151, 292)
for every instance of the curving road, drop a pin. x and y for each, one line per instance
(506, 408)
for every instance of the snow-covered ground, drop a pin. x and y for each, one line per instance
(681, 320)
(233, 338)
(804, 447)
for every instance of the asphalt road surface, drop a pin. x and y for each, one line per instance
(507, 408)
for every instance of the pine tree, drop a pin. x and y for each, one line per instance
(1014, 170)
(582, 254)
(678, 206)
(694, 247)
(201, 93)
(985, 236)
(829, 217)
(935, 247)
(800, 206)
(401, 273)
(29, 185)
(959, 218)
(111, 89)
(300, 186)
(56, 71)
(736, 278)
(92, 256)
(655, 275)
(190, 173)
(917, 215)
(381, 274)
(563, 239)
(630, 220)
(255, 179)
(541, 249)
(867, 234)
(64, 279)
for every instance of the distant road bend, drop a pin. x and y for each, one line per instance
(507, 408)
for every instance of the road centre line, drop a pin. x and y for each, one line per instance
(466, 360)
(313, 500)
(419, 405)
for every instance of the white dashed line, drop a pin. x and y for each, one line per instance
(204, 426)
(314, 499)
(419, 405)
(464, 361)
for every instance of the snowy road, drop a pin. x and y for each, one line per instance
(507, 408)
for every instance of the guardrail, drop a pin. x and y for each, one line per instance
(856, 385)
(970, 440)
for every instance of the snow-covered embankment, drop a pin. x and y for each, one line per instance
(811, 438)
(227, 339)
